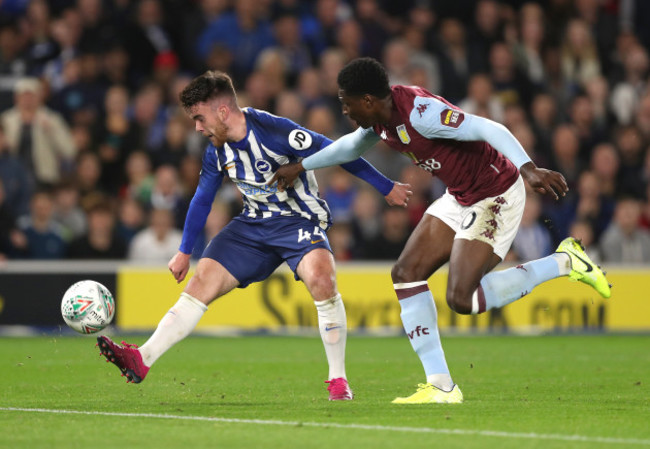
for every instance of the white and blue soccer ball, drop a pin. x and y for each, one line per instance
(88, 307)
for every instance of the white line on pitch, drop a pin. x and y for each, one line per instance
(484, 433)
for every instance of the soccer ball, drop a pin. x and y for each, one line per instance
(87, 307)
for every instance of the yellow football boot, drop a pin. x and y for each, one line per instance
(428, 394)
(582, 268)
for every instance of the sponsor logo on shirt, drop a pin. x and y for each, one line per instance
(421, 108)
(383, 135)
(299, 139)
(451, 118)
(252, 190)
(403, 135)
(262, 166)
(430, 165)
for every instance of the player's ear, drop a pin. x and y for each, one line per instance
(223, 112)
(368, 100)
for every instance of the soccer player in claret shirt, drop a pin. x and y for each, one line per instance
(248, 145)
(471, 226)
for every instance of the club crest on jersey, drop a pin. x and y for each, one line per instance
(262, 166)
(299, 139)
(403, 135)
(451, 118)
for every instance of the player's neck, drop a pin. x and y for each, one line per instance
(237, 128)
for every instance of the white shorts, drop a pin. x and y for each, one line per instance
(494, 220)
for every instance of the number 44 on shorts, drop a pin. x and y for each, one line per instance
(314, 237)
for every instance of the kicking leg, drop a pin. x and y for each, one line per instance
(427, 249)
(210, 281)
(316, 269)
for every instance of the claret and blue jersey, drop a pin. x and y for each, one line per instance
(270, 142)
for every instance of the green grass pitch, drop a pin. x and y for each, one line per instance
(268, 392)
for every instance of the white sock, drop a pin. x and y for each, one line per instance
(177, 324)
(333, 328)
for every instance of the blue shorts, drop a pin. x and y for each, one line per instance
(251, 250)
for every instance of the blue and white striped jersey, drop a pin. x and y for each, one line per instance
(270, 142)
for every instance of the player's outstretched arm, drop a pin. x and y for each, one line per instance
(179, 265)
(399, 195)
(543, 180)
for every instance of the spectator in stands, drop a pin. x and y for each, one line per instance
(150, 117)
(395, 231)
(365, 226)
(147, 36)
(274, 69)
(17, 182)
(481, 100)
(174, 147)
(41, 237)
(528, 51)
(587, 204)
(456, 64)
(605, 164)
(159, 242)
(245, 32)
(598, 93)
(487, 30)
(579, 56)
(87, 179)
(167, 193)
(294, 52)
(565, 157)
(68, 212)
(116, 136)
(581, 116)
(66, 34)
(139, 178)
(13, 63)
(629, 142)
(289, 104)
(624, 240)
(543, 113)
(340, 194)
(101, 241)
(130, 219)
(511, 85)
(38, 135)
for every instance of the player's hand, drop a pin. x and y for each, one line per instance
(544, 181)
(179, 265)
(286, 175)
(399, 195)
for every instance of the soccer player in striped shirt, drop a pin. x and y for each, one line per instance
(248, 145)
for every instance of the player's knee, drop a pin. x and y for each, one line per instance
(322, 286)
(459, 301)
(401, 274)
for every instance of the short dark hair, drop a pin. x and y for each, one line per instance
(364, 76)
(211, 84)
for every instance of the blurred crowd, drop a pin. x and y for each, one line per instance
(98, 160)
